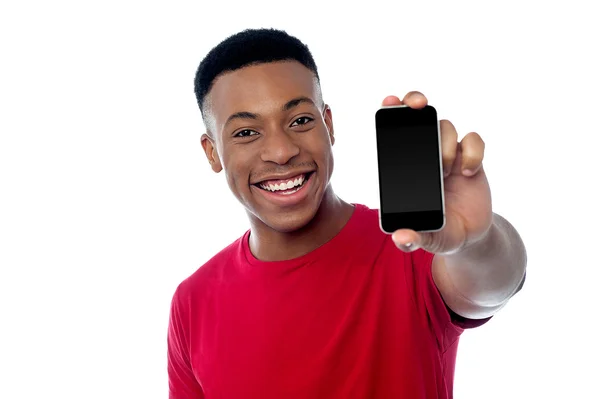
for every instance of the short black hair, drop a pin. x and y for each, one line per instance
(249, 47)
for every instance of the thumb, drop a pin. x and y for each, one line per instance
(407, 240)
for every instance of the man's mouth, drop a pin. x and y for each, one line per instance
(285, 186)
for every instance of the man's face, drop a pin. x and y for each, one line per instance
(271, 134)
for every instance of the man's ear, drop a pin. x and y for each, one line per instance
(211, 152)
(329, 123)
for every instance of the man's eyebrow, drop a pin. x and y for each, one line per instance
(286, 107)
(241, 115)
(297, 101)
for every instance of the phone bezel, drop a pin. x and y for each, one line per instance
(394, 224)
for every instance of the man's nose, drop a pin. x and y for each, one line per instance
(279, 147)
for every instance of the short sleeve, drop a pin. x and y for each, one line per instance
(445, 324)
(182, 381)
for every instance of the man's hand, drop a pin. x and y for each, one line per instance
(467, 192)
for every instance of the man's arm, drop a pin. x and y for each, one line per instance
(479, 279)
(479, 259)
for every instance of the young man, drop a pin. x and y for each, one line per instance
(314, 300)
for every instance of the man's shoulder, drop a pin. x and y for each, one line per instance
(214, 269)
(372, 212)
(365, 212)
(361, 236)
(368, 219)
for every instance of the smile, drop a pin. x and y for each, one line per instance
(285, 187)
(291, 191)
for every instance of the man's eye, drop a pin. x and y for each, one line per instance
(245, 133)
(302, 120)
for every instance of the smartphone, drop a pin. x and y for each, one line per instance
(411, 181)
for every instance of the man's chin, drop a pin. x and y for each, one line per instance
(291, 225)
(285, 219)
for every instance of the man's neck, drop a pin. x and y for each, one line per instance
(269, 245)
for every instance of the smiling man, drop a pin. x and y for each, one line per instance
(314, 300)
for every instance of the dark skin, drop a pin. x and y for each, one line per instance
(267, 139)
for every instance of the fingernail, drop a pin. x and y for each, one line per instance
(409, 246)
(468, 172)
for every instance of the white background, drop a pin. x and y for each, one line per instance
(107, 201)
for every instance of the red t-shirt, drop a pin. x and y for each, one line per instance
(355, 318)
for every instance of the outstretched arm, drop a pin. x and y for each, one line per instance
(479, 279)
(479, 258)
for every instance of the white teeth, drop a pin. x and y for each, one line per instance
(284, 186)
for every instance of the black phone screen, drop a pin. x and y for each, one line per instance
(410, 180)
